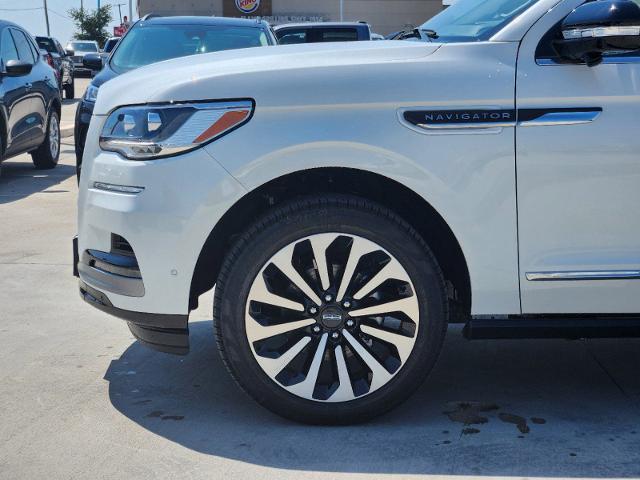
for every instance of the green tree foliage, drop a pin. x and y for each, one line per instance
(91, 24)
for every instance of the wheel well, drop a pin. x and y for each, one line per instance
(404, 202)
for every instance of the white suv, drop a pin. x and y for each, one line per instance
(346, 219)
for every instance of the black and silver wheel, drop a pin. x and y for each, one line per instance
(46, 155)
(330, 311)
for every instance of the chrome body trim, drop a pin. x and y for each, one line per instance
(462, 126)
(616, 60)
(601, 32)
(561, 118)
(584, 275)
(111, 187)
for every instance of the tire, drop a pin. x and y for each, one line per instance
(70, 90)
(381, 374)
(46, 155)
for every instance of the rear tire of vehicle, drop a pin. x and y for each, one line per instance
(70, 90)
(338, 220)
(46, 155)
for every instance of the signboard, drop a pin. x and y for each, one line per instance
(119, 30)
(243, 8)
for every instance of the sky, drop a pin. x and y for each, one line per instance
(30, 15)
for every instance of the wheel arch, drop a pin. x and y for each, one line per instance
(409, 205)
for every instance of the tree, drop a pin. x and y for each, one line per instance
(91, 25)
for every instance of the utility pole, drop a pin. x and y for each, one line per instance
(46, 17)
(119, 10)
(342, 10)
(130, 10)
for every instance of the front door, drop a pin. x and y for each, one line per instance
(578, 178)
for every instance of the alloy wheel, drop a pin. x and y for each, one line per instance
(54, 136)
(332, 317)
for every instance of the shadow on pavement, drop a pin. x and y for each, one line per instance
(19, 178)
(542, 409)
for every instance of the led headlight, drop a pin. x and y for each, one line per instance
(91, 94)
(152, 131)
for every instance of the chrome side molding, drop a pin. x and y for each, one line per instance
(583, 275)
(561, 118)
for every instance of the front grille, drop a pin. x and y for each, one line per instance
(120, 245)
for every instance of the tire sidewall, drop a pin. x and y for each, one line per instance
(268, 238)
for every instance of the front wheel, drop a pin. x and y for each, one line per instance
(330, 311)
(46, 155)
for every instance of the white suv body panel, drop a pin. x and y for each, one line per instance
(340, 105)
(305, 118)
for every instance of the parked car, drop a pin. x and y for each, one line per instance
(315, 32)
(154, 39)
(346, 220)
(29, 99)
(80, 48)
(61, 62)
(95, 61)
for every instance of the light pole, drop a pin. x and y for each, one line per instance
(46, 17)
(130, 11)
(119, 10)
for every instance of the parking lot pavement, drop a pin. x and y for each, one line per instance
(79, 398)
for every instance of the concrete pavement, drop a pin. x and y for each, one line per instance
(79, 398)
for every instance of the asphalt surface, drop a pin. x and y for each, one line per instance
(80, 398)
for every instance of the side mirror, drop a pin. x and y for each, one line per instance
(599, 27)
(17, 68)
(92, 61)
(70, 52)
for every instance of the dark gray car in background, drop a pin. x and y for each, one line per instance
(30, 102)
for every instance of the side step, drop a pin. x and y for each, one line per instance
(570, 327)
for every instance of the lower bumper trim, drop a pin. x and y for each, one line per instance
(162, 332)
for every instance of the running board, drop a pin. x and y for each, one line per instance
(571, 327)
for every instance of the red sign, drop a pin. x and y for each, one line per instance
(119, 31)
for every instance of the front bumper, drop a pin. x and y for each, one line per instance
(165, 223)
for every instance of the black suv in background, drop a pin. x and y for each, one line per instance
(60, 62)
(29, 99)
(153, 39)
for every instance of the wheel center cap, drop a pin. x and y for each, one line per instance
(332, 317)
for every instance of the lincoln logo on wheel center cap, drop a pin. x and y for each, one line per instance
(331, 318)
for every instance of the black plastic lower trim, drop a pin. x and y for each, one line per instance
(166, 333)
(571, 327)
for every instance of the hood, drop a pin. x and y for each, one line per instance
(270, 75)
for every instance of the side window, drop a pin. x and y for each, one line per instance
(7, 47)
(337, 35)
(25, 51)
(59, 48)
(292, 36)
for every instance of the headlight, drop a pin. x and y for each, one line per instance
(152, 131)
(91, 94)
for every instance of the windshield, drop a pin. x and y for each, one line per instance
(153, 43)
(474, 20)
(84, 47)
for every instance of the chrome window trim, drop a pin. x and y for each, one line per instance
(583, 275)
(616, 60)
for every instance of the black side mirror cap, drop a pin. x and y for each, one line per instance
(599, 27)
(69, 52)
(17, 68)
